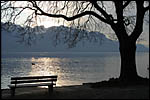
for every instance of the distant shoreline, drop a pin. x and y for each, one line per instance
(66, 51)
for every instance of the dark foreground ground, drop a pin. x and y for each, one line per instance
(81, 92)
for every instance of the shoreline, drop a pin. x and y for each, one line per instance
(80, 92)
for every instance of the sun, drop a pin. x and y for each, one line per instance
(49, 22)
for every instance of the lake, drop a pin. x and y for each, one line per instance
(72, 68)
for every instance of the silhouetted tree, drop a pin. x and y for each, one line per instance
(89, 15)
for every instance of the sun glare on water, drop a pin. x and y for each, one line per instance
(46, 66)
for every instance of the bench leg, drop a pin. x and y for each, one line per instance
(50, 89)
(12, 91)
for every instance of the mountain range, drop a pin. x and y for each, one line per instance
(45, 44)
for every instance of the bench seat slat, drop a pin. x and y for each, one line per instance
(30, 85)
(32, 81)
(33, 77)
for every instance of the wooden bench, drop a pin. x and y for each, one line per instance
(32, 81)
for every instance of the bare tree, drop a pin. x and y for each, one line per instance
(91, 15)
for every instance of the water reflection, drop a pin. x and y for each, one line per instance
(70, 71)
(47, 66)
(75, 71)
(41, 66)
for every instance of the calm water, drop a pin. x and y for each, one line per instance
(72, 68)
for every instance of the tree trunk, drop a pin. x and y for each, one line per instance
(128, 61)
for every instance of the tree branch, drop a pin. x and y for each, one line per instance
(146, 8)
(74, 17)
(126, 4)
(119, 26)
(107, 16)
(119, 11)
(139, 21)
(69, 18)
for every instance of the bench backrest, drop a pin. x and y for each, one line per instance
(33, 79)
